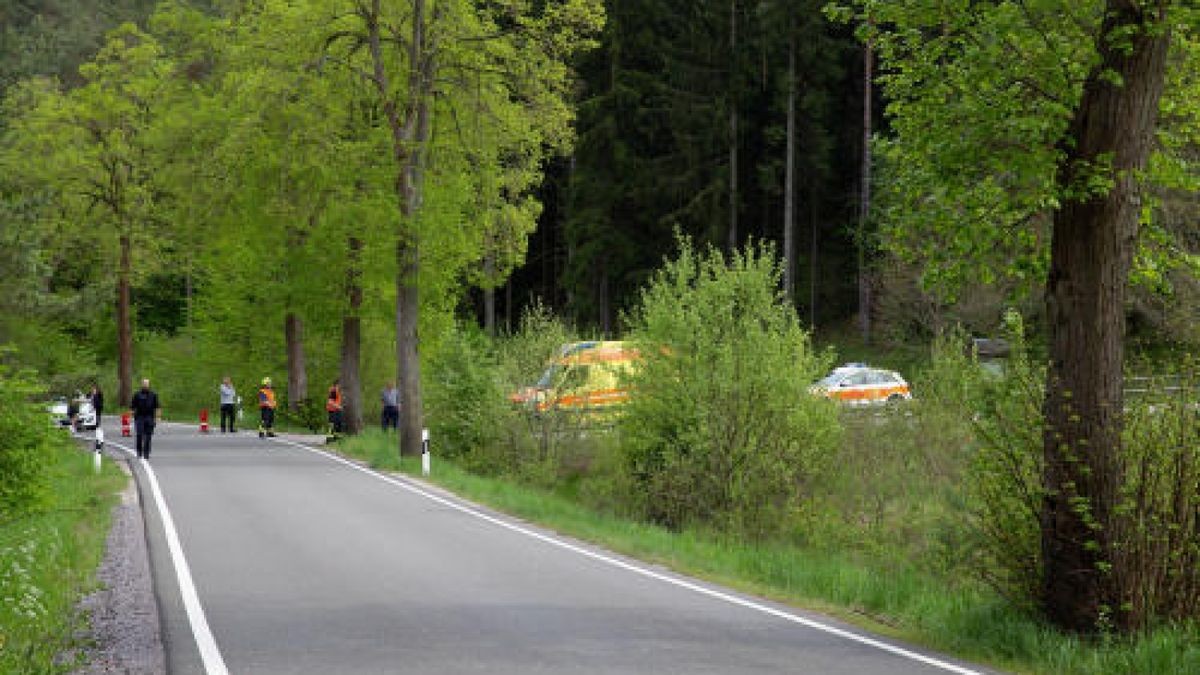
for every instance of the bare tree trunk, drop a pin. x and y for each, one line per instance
(297, 383)
(605, 310)
(733, 128)
(124, 323)
(508, 305)
(489, 294)
(352, 398)
(789, 188)
(864, 204)
(1092, 246)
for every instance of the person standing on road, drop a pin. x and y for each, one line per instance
(333, 406)
(145, 415)
(97, 398)
(391, 406)
(266, 407)
(228, 403)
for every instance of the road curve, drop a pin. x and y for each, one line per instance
(303, 563)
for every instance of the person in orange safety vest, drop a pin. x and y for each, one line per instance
(333, 406)
(266, 406)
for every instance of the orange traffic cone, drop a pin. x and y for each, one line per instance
(204, 420)
(125, 430)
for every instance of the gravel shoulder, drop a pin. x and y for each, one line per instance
(124, 633)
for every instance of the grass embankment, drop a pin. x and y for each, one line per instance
(48, 561)
(890, 596)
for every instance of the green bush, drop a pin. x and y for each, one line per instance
(465, 397)
(1160, 500)
(721, 427)
(25, 436)
(1005, 479)
(1156, 527)
(471, 418)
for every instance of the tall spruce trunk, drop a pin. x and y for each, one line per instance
(789, 188)
(352, 397)
(124, 323)
(733, 127)
(489, 294)
(1092, 246)
(297, 371)
(864, 204)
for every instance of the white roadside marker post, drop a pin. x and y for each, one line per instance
(424, 452)
(99, 447)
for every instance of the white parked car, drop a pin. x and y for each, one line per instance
(859, 384)
(61, 409)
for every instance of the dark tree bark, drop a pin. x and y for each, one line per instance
(1092, 247)
(352, 398)
(864, 204)
(489, 294)
(789, 188)
(734, 199)
(124, 324)
(297, 383)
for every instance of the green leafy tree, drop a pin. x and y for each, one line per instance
(1023, 134)
(457, 85)
(94, 147)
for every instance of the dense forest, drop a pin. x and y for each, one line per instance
(683, 126)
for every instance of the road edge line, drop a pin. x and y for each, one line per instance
(651, 574)
(210, 653)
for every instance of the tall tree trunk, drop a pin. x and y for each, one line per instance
(812, 264)
(297, 383)
(864, 203)
(1092, 246)
(508, 305)
(352, 398)
(789, 188)
(605, 309)
(407, 353)
(124, 324)
(410, 137)
(489, 294)
(733, 127)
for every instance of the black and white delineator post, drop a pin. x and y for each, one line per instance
(424, 452)
(99, 447)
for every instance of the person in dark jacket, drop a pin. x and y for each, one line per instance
(97, 398)
(145, 415)
(390, 398)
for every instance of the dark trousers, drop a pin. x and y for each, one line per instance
(335, 422)
(145, 431)
(268, 420)
(391, 417)
(228, 413)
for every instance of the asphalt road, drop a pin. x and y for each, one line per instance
(301, 563)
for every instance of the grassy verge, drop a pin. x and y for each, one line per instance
(893, 597)
(48, 561)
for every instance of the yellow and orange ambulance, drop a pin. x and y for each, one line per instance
(584, 377)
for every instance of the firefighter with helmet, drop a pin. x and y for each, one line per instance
(266, 406)
(333, 406)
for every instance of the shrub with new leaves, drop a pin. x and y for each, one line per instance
(721, 427)
(24, 441)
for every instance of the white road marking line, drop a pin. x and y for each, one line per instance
(210, 654)
(719, 595)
